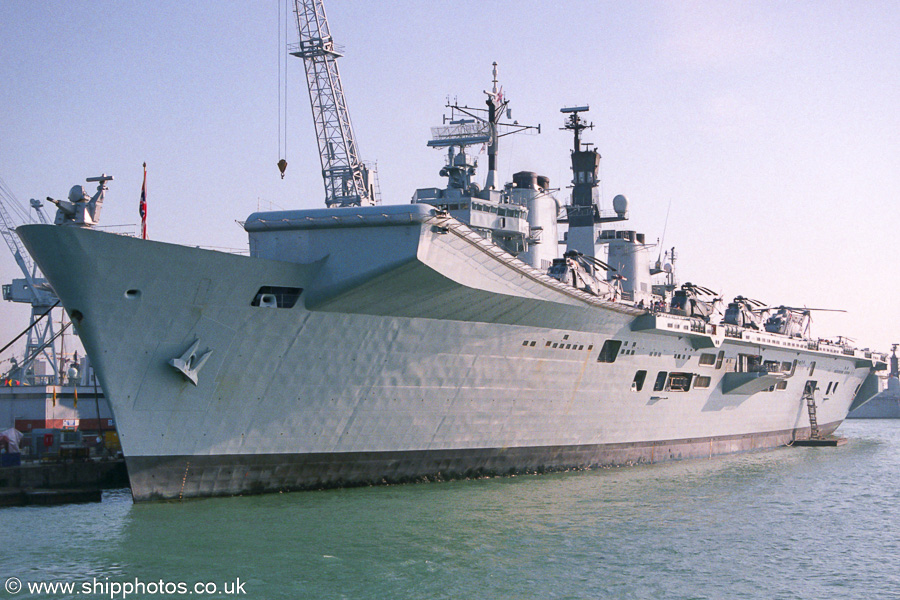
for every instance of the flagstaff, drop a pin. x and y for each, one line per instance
(142, 208)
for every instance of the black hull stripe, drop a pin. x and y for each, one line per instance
(177, 477)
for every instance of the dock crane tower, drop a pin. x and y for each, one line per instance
(32, 289)
(347, 179)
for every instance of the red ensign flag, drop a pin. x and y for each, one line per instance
(143, 205)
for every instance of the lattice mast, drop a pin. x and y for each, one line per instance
(29, 290)
(346, 178)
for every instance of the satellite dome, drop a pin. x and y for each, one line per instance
(620, 205)
(76, 194)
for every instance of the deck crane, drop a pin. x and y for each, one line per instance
(32, 289)
(347, 179)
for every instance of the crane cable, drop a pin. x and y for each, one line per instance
(46, 344)
(282, 87)
(29, 328)
(12, 203)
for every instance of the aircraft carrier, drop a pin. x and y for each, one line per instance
(445, 338)
(885, 404)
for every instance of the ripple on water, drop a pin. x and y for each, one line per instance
(790, 523)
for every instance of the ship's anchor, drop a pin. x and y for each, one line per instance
(189, 363)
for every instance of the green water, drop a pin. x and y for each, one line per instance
(811, 523)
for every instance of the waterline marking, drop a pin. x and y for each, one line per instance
(121, 590)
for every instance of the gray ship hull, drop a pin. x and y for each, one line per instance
(226, 475)
(884, 405)
(414, 351)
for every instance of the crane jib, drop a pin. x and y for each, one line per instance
(347, 180)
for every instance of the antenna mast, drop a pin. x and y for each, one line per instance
(346, 178)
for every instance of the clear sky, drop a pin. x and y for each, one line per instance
(772, 128)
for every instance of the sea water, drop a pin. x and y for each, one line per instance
(792, 523)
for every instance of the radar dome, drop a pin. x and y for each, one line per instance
(76, 194)
(72, 373)
(620, 205)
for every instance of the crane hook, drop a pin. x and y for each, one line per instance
(282, 165)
